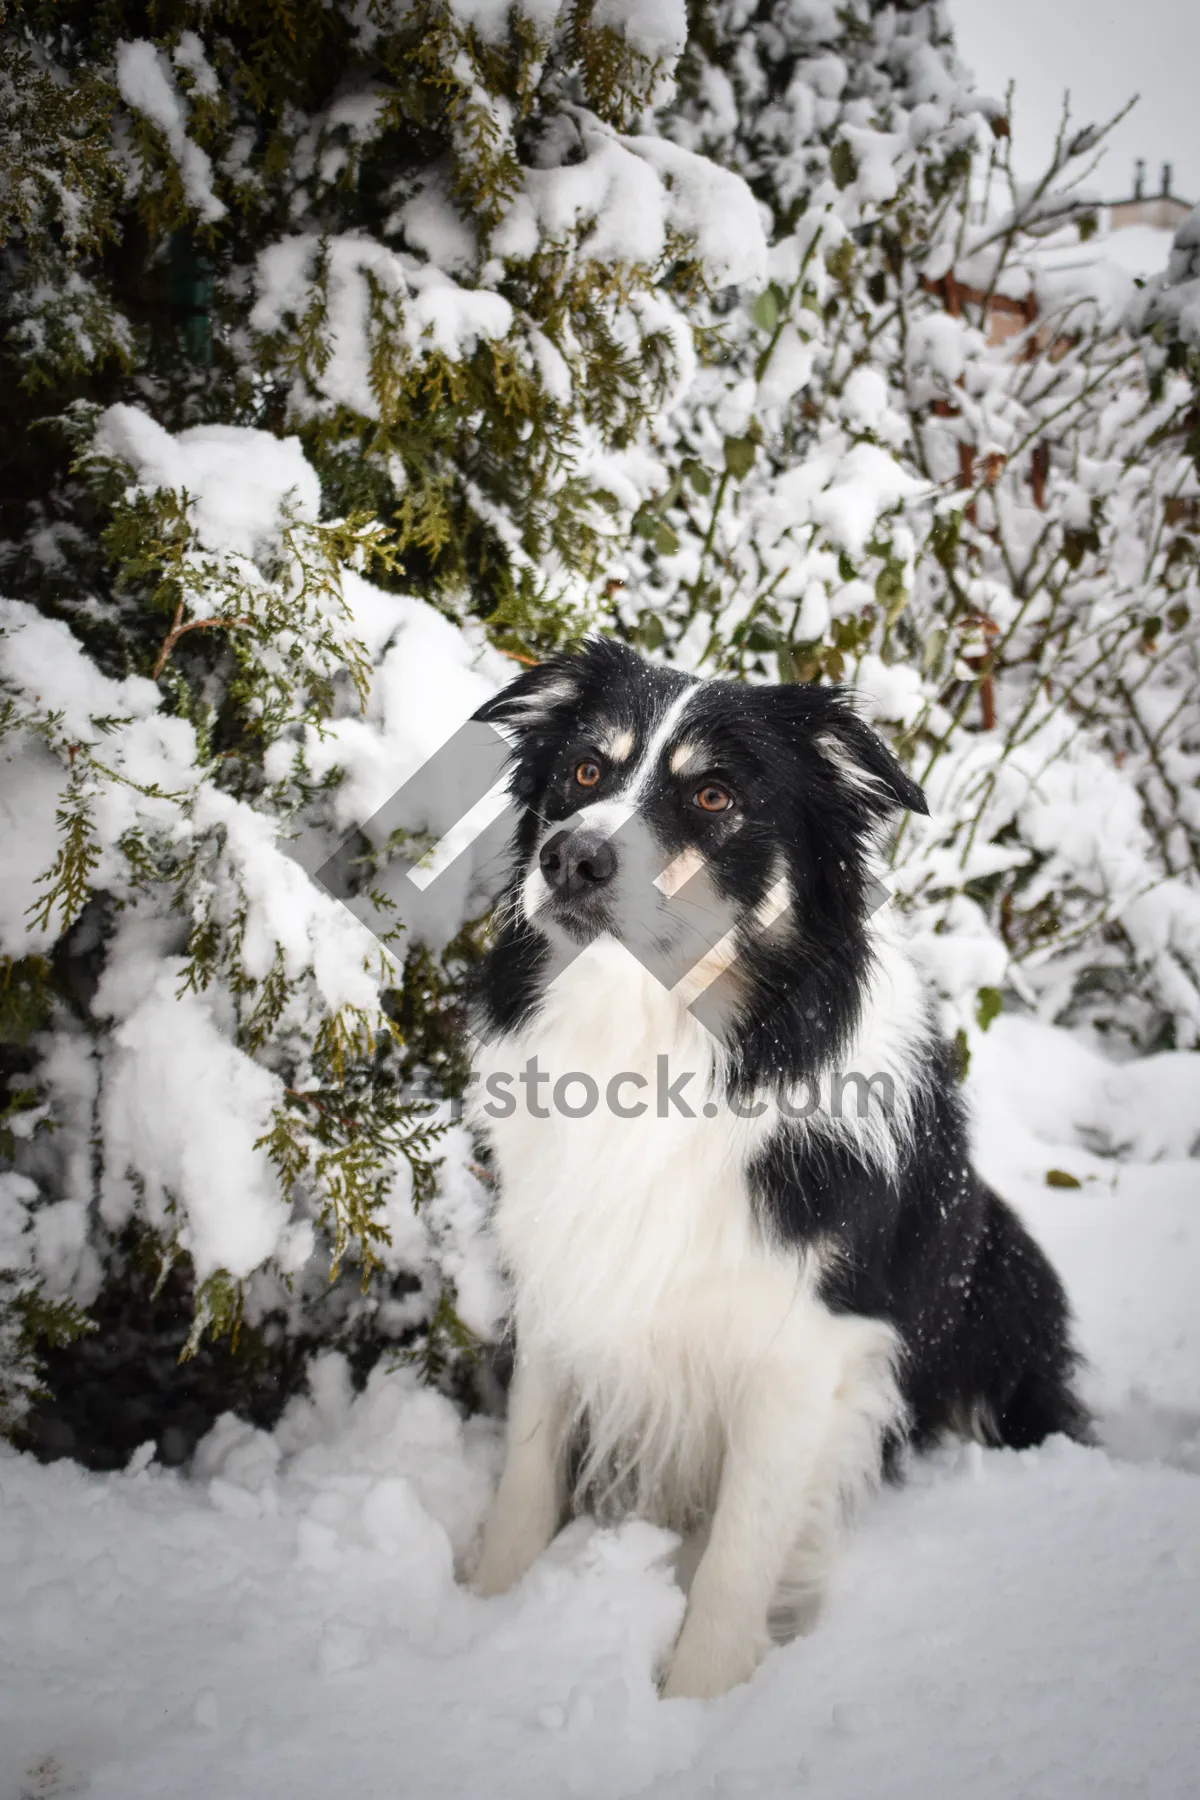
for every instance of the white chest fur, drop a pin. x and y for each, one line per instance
(638, 1266)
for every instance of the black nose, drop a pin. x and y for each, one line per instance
(577, 862)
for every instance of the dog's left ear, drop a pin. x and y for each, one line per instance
(533, 697)
(864, 762)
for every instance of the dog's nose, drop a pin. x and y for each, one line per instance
(577, 862)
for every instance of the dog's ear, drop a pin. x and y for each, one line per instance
(863, 761)
(534, 697)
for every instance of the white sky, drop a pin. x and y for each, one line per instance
(1104, 51)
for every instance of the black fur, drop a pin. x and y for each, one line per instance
(980, 1311)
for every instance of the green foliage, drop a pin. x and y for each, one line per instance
(287, 624)
(217, 1308)
(446, 1346)
(988, 1006)
(345, 1132)
(24, 1000)
(154, 159)
(68, 882)
(438, 440)
(57, 171)
(29, 1321)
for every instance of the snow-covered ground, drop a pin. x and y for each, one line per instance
(286, 1622)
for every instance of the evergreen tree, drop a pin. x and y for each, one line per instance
(295, 295)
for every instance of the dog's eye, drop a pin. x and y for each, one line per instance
(713, 798)
(587, 773)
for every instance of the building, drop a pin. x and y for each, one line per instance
(1164, 210)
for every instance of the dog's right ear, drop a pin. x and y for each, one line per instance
(534, 697)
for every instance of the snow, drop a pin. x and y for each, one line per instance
(629, 195)
(875, 154)
(1164, 926)
(42, 658)
(16, 1193)
(433, 225)
(1147, 1110)
(286, 1619)
(364, 279)
(1066, 282)
(889, 690)
(489, 18)
(30, 785)
(844, 488)
(188, 55)
(1174, 297)
(1139, 249)
(789, 369)
(237, 479)
(610, 186)
(713, 208)
(941, 343)
(456, 1217)
(146, 83)
(46, 665)
(865, 398)
(184, 1108)
(656, 28)
(429, 679)
(867, 483)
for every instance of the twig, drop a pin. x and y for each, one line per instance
(179, 630)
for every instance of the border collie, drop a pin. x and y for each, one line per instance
(750, 1259)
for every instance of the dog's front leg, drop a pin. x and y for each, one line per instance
(771, 1447)
(529, 1502)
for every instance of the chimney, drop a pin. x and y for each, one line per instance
(1166, 181)
(1139, 177)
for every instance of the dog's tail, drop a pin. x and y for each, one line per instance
(1018, 1364)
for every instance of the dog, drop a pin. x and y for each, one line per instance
(751, 1263)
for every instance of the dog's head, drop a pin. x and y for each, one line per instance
(711, 826)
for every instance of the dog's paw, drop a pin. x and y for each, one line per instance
(489, 1582)
(500, 1567)
(705, 1664)
(494, 1573)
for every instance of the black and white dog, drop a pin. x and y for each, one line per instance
(750, 1259)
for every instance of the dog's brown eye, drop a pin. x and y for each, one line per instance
(711, 798)
(587, 774)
